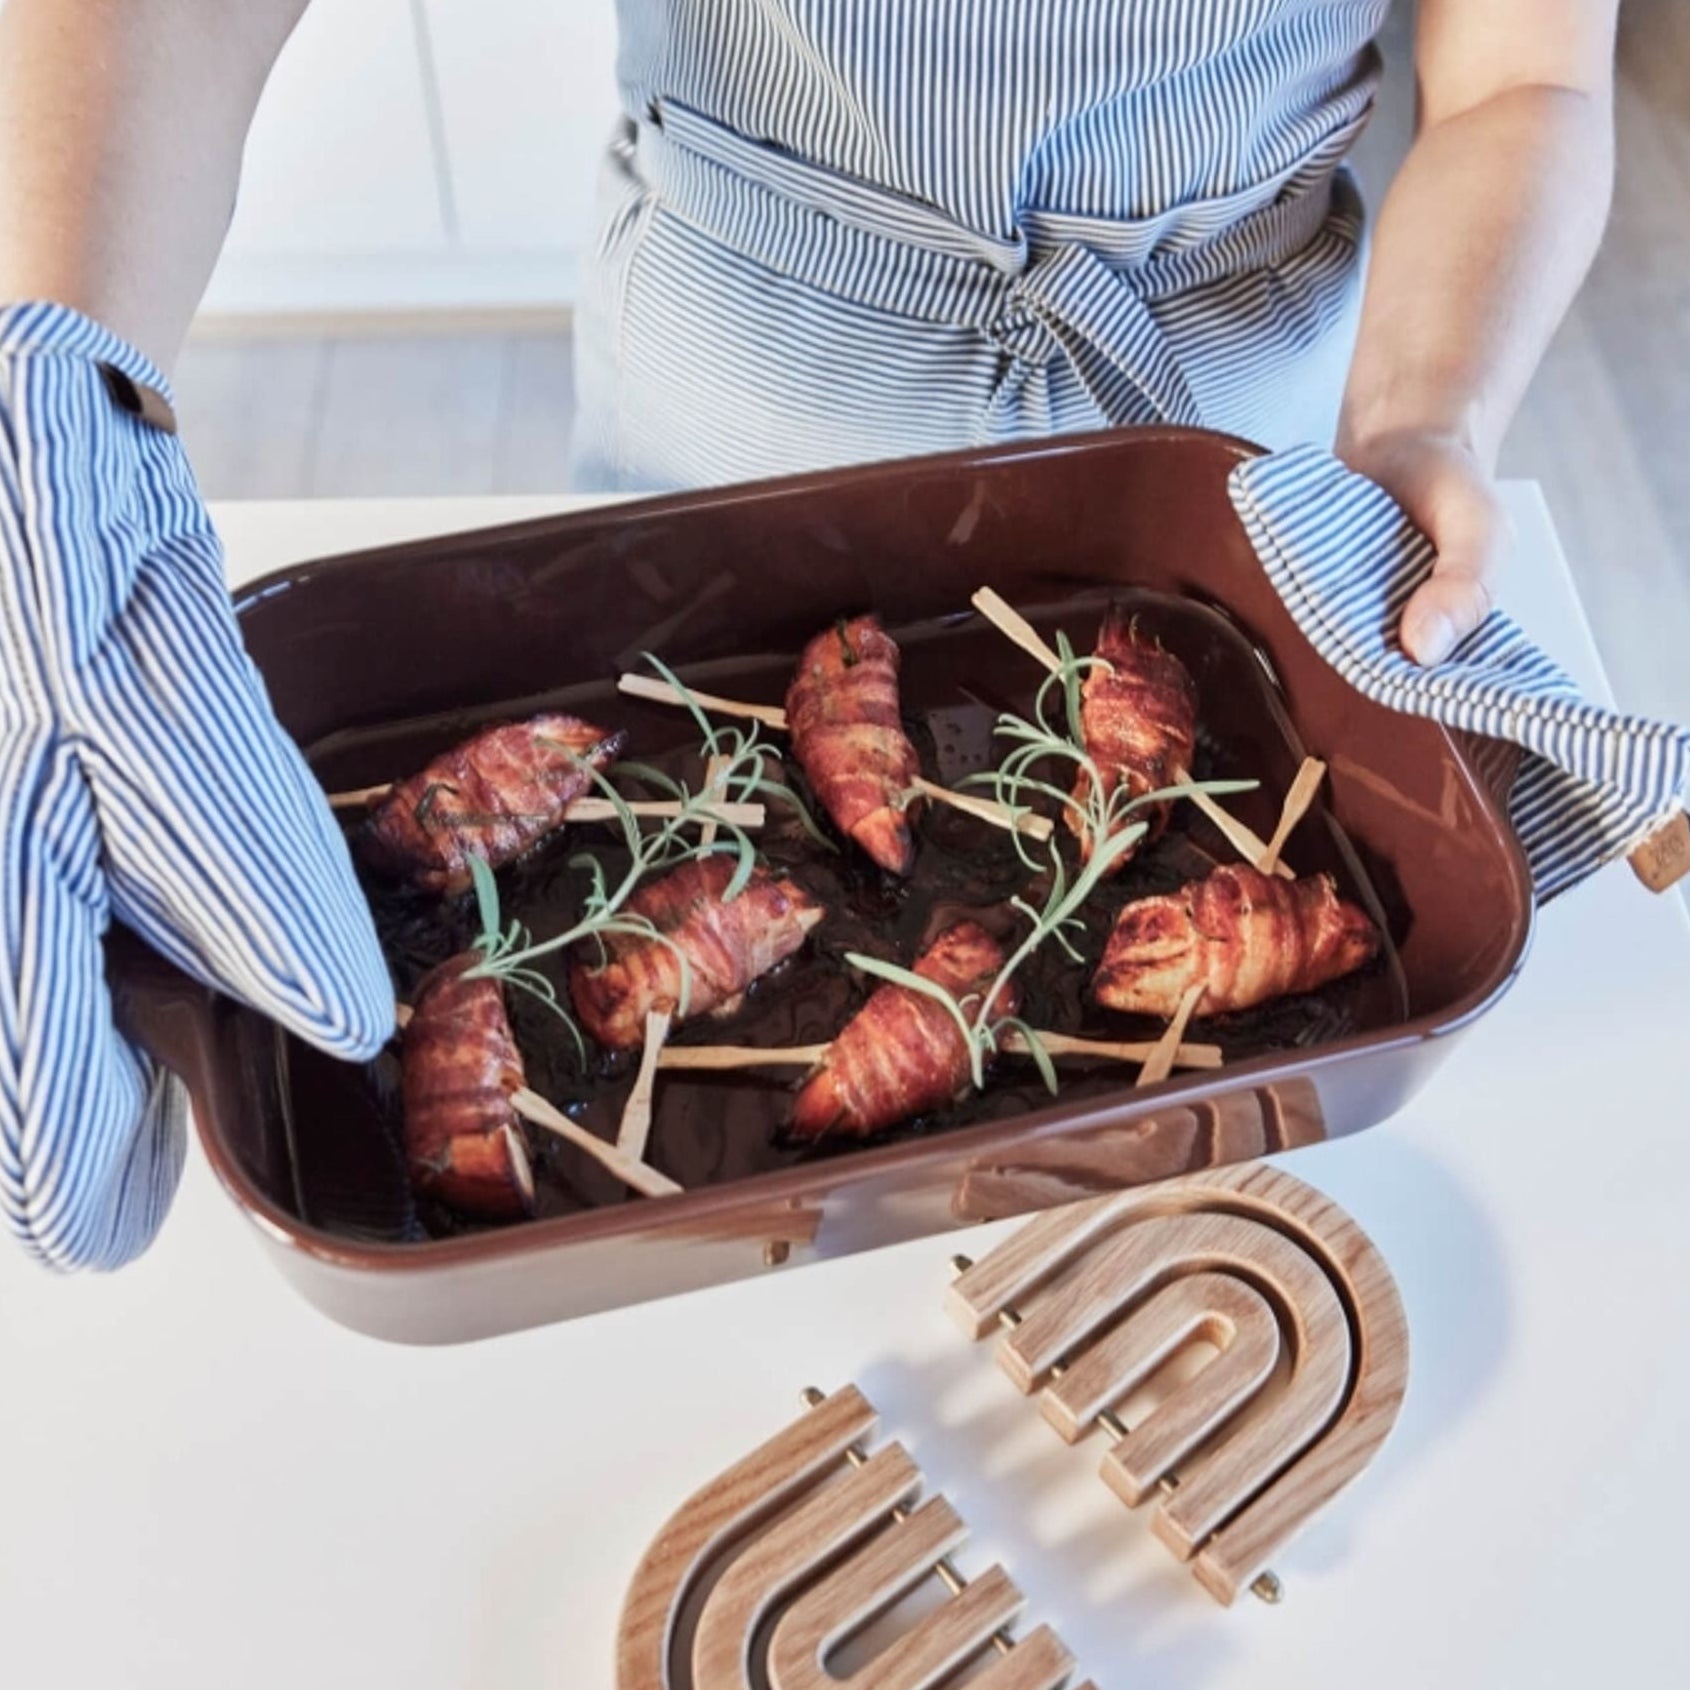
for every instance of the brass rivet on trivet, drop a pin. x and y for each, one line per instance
(943, 1570)
(1267, 1585)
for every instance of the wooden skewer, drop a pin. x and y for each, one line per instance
(715, 1057)
(1117, 1050)
(532, 1107)
(713, 772)
(719, 1057)
(640, 1175)
(586, 809)
(1009, 621)
(1296, 804)
(986, 809)
(1244, 840)
(360, 797)
(1249, 845)
(660, 692)
(1161, 1060)
(1028, 822)
(635, 1129)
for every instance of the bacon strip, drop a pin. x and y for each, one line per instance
(902, 1052)
(847, 732)
(1244, 936)
(492, 797)
(459, 1069)
(728, 945)
(1139, 719)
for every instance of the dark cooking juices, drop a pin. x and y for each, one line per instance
(712, 1127)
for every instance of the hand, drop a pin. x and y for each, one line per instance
(1448, 494)
(142, 776)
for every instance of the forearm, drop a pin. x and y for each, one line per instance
(121, 129)
(1482, 243)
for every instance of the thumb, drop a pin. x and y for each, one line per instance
(1470, 537)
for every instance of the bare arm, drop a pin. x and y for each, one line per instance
(1484, 238)
(121, 128)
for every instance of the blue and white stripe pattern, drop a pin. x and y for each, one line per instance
(142, 777)
(837, 231)
(1346, 560)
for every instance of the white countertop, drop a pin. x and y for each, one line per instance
(208, 1484)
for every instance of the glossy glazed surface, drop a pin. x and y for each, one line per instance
(709, 1129)
(486, 621)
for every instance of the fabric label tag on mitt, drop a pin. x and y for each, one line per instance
(1663, 859)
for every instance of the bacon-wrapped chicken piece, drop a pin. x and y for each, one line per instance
(1139, 719)
(1244, 936)
(459, 1069)
(727, 943)
(903, 1052)
(843, 714)
(491, 797)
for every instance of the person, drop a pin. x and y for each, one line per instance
(854, 231)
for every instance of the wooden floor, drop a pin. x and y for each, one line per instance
(1606, 427)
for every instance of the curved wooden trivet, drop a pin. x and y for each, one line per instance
(1313, 1349)
(766, 1571)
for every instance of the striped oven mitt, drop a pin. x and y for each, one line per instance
(142, 776)
(1593, 784)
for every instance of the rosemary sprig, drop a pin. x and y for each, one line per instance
(744, 779)
(1045, 736)
(509, 954)
(981, 1031)
(1105, 818)
(1057, 919)
(501, 948)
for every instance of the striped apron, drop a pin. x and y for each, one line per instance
(841, 230)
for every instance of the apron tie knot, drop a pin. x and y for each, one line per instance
(1068, 303)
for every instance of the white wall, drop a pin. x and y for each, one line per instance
(423, 154)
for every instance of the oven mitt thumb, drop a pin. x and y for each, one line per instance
(1593, 784)
(142, 777)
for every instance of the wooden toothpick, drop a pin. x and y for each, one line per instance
(1028, 822)
(720, 1057)
(631, 1171)
(1244, 840)
(360, 798)
(660, 692)
(533, 1108)
(1010, 622)
(635, 1129)
(1116, 1050)
(1248, 844)
(585, 809)
(986, 809)
(1297, 801)
(713, 771)
(1160, 1063)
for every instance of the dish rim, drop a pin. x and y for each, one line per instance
(775, 1187)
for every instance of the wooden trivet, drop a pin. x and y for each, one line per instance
(1312, 1363)
(767, 1570)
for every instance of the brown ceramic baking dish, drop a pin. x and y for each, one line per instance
(376, 658)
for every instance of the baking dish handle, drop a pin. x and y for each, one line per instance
(1495, 764)
(161, 1009)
